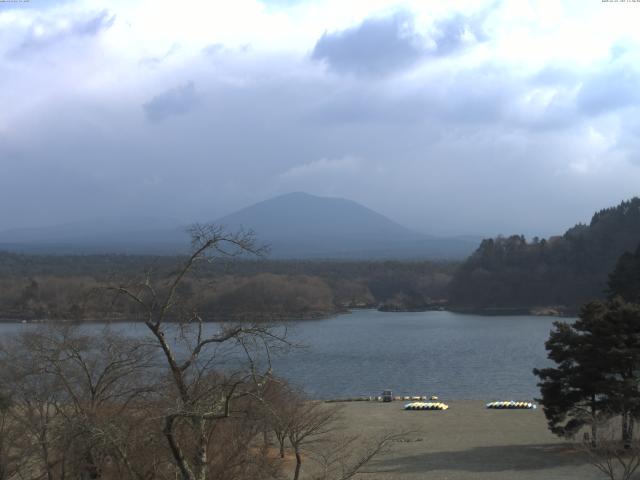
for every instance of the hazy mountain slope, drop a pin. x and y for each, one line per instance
(301, 214)
(295, 225)
(113, 235)
(307, 226)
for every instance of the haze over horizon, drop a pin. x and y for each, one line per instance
(450, 118)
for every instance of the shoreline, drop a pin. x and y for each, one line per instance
(465, 442)
(485, 312)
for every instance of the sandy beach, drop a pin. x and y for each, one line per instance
(467, 441)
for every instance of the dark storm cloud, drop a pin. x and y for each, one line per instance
(450, 32)
(376, 46)
(384, 45)
(629, 140)
(551, 75)
(156, 61)
(367, 104)
(92, 26)
(175, 101)
(465, 144)
(471, 96)
(614, 88)
(43, 34)
(396, 151)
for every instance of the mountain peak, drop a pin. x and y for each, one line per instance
(294, 225)
(302, 225)
(304, 196)
(298, 213)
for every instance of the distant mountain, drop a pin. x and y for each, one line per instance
(107, 235)
(299, 225)
(566, 270)
(295, 225)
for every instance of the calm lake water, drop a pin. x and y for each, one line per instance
(447, 354)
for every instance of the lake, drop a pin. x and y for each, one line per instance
(451, 355)
(447, 354)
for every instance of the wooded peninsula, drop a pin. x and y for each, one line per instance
(508, 275)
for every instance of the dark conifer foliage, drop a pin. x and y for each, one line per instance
(573, 392)
(597, 369)
(624, 281)
(567, 270)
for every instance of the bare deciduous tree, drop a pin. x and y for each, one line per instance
(200, 399)
(73, 395)
(345, 457)
(617, 459)
(11, 460)
(310, 422)
(186, 399)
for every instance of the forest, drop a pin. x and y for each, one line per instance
(561, 272)
(47, 287)
(504, 275)
(184, 401)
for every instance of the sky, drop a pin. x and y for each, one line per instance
(450, 117)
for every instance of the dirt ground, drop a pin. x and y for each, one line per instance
(466, 442)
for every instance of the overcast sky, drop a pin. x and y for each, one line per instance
(449, 117)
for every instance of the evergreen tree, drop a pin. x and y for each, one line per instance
(563, 271)
(597, 371)
(574, 392)
(624, 281)
(620, 332)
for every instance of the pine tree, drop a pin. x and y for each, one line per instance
(597, 371)
(624, 281)
(574, 392)
(621, 333)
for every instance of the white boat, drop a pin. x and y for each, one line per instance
(511, 405)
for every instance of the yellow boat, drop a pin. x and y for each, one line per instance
(426, 406)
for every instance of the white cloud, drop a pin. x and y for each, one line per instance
(520, 102)
(324, 167)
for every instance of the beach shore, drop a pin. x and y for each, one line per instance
(467, 441)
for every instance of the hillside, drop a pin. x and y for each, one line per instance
(561, 271)
(299, 225)
(296, 225)
(155, 236)
(68, 286)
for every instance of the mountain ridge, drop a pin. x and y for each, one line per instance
(295, 225)
(310, 226)
(565, 270)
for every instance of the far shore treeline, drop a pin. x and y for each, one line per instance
(72, 287)
(504, 275)
(560, 273)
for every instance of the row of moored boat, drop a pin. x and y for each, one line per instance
(426, 406)
(510, 405)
